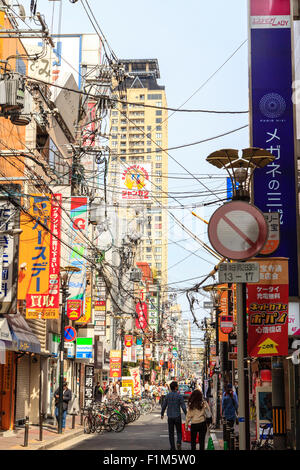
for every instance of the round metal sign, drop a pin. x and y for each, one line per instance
(238, 230)
(70, 333)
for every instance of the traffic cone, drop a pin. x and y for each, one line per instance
(210, 444)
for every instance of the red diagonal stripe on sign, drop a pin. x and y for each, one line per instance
(237, 230)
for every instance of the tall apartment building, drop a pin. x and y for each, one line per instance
(138, 168)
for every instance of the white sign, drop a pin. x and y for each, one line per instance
(238, 272)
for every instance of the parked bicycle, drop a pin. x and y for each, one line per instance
(265, 442)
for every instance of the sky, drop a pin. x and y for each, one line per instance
(191, 40)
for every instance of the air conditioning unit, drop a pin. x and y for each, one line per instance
(135, 275)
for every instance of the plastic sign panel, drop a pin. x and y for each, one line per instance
(273, 221)
(238, 272)
(115, 364)
(267, 306)
(40, 255)
(226, 324)
(128, 341)
(272, 122)
(84, 348)
(135, 374)
(142, 312)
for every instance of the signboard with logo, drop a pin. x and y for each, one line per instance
(40, 254)
(84, 348)
(74, 308)
(128, 340)
(135, 182)
(267, 305)
(272, 122)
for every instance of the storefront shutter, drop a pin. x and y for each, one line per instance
(22, 387)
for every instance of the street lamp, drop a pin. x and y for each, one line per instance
(65, 276)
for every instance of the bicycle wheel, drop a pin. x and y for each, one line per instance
(87, 425)
(98, 424)
(116, 423)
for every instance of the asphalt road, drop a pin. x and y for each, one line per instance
(149, 432)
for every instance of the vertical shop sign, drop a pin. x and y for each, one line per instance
(272, 122)
(100, 317)
(88, 386)
(223, 312)
(135, 374)
(267, 306)
(78, 241)
(115, 364)
(9, 219)
(142, 312)
(40, 255)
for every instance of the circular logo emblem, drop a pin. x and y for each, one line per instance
(272, 105)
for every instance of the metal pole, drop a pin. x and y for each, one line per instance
(26, 431)
(240, 360)
(218, 368)
(144, 363)
(61, 372)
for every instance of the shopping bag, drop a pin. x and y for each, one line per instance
(186, 434)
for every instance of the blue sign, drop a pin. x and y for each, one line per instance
(273, 122)
(230, 188)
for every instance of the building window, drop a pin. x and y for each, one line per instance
(158, 135)
(158, 112)
(158, 120)
(154, 96)
(158, 157)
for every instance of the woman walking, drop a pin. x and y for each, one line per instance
(196, 415)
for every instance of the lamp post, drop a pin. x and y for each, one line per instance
(241, 172)
(65, 277)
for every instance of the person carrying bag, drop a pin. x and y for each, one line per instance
(198, 413)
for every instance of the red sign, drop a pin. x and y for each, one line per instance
(238, 230)
(267, 306)
(128, 341)
(74, 309)
(115, 364)
(226, 324)
(142, 312)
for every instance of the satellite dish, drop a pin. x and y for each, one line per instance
(22, 12)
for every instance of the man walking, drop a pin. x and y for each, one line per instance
(174, 402)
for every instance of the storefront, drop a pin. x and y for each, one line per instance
(20, 374)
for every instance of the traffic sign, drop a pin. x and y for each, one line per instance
(238, 272)
(238, 230)
(208, 305)
(70, 333)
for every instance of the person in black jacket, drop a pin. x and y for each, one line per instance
(67, 395)
(174, 402)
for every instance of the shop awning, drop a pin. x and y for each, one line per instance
(22, 334)
(6, 340)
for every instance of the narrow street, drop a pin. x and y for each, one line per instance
(149, 432)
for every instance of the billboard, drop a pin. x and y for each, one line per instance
(39, 256)
(135, 182)
(272, 121)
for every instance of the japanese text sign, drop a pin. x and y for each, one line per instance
(267, 307)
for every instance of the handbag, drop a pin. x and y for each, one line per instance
(186, 434)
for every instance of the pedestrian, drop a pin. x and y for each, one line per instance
(198, 409)
(229, 405)
(67, 395)
(98, 392)
(105, 390)
(174, 402)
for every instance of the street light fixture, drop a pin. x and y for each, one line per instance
(65, 276)
(240, 170)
